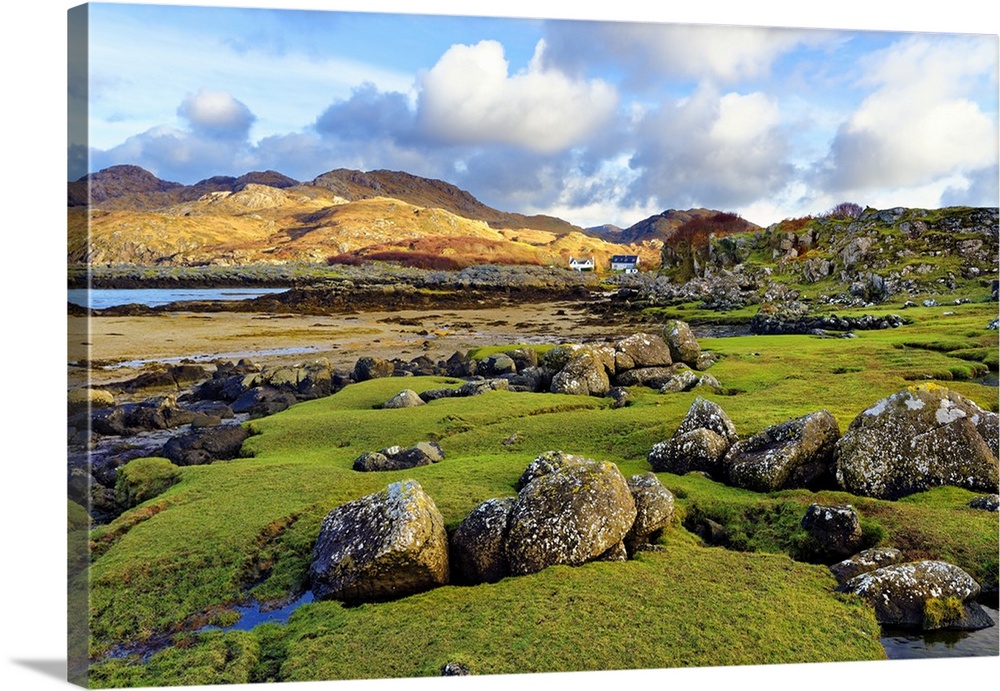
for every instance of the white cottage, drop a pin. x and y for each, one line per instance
(581, 264)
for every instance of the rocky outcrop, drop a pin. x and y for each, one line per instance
(836, 529)
(916, 439)
(381, 547)
(397, 458)
(925, 595)
(793, 454)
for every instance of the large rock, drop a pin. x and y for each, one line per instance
(201, 447)
(407, 398)
(641, 350)
(570, 516)
(583, 375)
(705, 414)
(380, 547)
(653, 377)
(923, 594)
(836, 529)
(864, 562)
(696, 450)
(397, 458)
(546, 463)
(477, 545)
(682, 343)
(372, 368)
(916, 439)
(654, 509)
(794, 454)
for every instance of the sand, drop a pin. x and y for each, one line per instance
(121, 347)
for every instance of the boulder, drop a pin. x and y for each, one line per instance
(641, 350)
(477, 545)
(372, 368)
(407, 398)
(381, 547)
(793, 454)
(620, 397)
(836, 529)
(397, 458)
(698, 449)
(916, 439)
(863, 562)
(570, 516)
(923, 594)
(262, 401)
(458, 365)
(546, 463)
(684, 380)
(682, 343)
(583, 375)
(654, 509)
(497, 365)
(653, 377)
(705, 414)
(200, 447)
(986, 502)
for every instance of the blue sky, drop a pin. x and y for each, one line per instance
(591, 120)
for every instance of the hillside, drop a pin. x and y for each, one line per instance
(135, 218)
(663, 226)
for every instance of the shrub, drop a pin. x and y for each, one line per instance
(845, 211)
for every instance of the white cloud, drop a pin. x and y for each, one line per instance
(712, 150)
(470, 97)
(216, 114)
(922, 123)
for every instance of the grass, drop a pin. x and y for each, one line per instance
(244, 529)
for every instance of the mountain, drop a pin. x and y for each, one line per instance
(662, 226)
(266, 217)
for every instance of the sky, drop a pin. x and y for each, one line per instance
(590, 120)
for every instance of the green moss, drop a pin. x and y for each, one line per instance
(143, 479)
(942, 611)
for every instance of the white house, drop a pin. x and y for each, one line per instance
(629, 263)
(581, 264)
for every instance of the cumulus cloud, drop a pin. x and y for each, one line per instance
(368, 113)
(469, 96)
(921, 122)
(217, 115)
(651, 51)
(716, 150)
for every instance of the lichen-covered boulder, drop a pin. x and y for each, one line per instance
(705, 414)
(986, 502)
(793, 454)
(583, 375)
(865, 561)
(683, 380)
(546, 463)
(641, 350)
(407, 398)
(682, 343)
(477, 545)
(695, 450)
(923, 594)
(836, 529)
(380, 547)
(570, 516)
(653, 377)
(654, 509)
(916, 439)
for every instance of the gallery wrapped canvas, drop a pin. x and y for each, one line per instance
(411, 345)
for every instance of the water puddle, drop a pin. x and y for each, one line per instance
(254, 614)
(211, 357)
(909, 645)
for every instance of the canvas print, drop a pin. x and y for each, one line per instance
(408, 345)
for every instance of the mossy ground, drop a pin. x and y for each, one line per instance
(244, 529)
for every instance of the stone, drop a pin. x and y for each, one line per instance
(916, 439)
(653, 377)
(641, 350)
(584, 375)
(706, 414)
(620, 397)
(654, 507)
(570, 516)
(682, 343)
(372, 368)
(699, 449)
(865, 561)
(407, 398)
(477, 545)
(546, 463)
(398, 458)
(685, 380)
(987, 502)
(837, 529)
(200, 447)
(793, 454)
(924, 594)
(381, 547)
